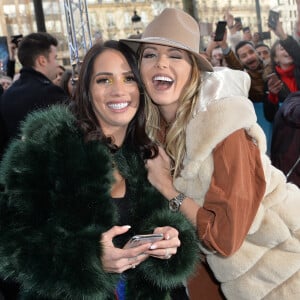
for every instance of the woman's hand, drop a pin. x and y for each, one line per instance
(159, 174)
(167, 247)
(116, 260)
(274, 84)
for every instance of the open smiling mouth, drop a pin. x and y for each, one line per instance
(162, 82)
(117, 106)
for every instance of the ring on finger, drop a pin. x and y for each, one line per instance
(133, 266)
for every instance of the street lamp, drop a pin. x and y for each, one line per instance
(39, 15)
(136, 21)
(257, 6)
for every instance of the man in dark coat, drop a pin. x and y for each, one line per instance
(34, 89)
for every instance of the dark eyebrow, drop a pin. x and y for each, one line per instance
(103, 73)
(111, 74)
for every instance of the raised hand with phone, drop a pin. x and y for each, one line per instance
(220, 31)
(275, 25)
(285, 67)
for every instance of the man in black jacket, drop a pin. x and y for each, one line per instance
(34, 89)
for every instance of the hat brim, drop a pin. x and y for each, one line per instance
(134, 44)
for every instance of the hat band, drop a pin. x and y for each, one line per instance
(174, 43)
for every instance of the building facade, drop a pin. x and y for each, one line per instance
(113, 19)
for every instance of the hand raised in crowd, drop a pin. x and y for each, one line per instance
(280, 33)
(231, 24)
(274, 83)
(223, 44)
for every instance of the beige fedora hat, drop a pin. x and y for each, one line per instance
(174, 28)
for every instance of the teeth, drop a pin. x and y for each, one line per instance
(118, 105)
(163, 78)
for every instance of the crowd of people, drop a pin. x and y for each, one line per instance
(274, 73)
(153, 136)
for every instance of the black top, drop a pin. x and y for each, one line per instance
(123, 208)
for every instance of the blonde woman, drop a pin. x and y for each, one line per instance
(216, 171)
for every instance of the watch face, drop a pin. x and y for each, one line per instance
(173, 205)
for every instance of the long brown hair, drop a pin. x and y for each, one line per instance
(84, 112)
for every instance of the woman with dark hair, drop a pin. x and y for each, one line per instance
(67, 83)
(282, 75)
(76, 190)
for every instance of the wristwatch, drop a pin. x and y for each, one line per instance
(175, 203)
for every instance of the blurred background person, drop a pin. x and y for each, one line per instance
(37, 53)
(264, 52)
(67, 83)
(283, 73)
(5, 82)
(59, 73)
(217, 57)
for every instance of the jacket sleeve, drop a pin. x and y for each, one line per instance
(236, 190)
(50, 210)
(232, 61)
(171, 272)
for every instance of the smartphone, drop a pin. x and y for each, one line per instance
(273, 19)
(141, 239)
(238, 20)
(266, 35)
(220, 31)
(273, 77)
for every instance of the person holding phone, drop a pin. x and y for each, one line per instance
(220, 31)
(284, 69)
(212, 160)
(245, 57)
(75, 190)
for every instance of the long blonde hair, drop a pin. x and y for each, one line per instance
(175, 142)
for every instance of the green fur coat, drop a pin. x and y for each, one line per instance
(55, 203)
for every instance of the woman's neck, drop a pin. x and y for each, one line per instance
(117, 133)
(168, 113)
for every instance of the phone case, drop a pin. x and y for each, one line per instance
(141, 239)
(273, 19)
(221, 27)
